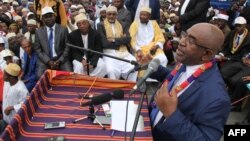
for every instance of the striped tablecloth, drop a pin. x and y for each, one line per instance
(55, 98)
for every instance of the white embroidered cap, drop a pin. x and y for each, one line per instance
(47, 10)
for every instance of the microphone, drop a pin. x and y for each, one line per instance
(152, 67)
(102, 54)
(117, 94)
(103, 98)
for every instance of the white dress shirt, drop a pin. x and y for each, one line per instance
(13, 96)
(182, 77)
(184, 6)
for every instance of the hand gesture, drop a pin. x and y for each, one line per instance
(165, 101)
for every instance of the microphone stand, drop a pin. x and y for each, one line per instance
(138, 113)
(103, 54)
(91, 115)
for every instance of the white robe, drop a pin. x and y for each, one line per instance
(13, 96)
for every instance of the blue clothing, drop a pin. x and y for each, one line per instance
(29, 70)
(202, 111)
(132, 5)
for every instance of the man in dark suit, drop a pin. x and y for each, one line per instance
(238, 8)
(85, 37)
(134, 7)
(50, 44)
(192, 12)
(236, 46)
(192, 104)
(123, 15)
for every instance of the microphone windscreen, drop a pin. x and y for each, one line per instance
(100, 99)
(118, 94)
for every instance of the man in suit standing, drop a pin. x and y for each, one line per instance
(192, 12)
(85, 37)
(50, 44)
(192, 103)
(134, 7)
(123, 15)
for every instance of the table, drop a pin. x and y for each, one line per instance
(56, 98)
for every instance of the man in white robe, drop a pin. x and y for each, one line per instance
(14, 93)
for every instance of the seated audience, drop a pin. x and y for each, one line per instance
(86, 62)
(114, 42)
(14, 94)
(29, 69)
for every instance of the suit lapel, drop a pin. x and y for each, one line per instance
(196, 85)
(56, 38)
(45, 38)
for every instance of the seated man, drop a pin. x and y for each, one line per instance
(236, 45)
(30, 59)
(86, 62)
(192, 103)
(50, 44)
(14, 94)
(147, 38)
(6, 57)
(114, 43)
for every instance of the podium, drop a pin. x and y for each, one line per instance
(56, 98)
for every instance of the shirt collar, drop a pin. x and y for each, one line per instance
(53, 27)
(192, 69)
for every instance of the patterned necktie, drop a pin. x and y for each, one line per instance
(155, 110)
(50, 42)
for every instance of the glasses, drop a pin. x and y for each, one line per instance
(191, 40)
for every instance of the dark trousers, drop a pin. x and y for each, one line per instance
(232, 72)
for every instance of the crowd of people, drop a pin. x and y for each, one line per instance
(213, 47)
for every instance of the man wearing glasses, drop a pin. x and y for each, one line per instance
(192, 103)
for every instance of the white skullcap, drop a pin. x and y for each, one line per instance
(172, 15)
(82, 10)
(111, 9)
(214, 18)
(79, 6)
(15, 3)
(6, 1)
(73, 7)
(30, 13)
(47, 10)
(31, 21)
(146, 9)
(7, 52)
(177, 3)
(80, 17)
(240, 20)
(11, 34)
(16, 18)
(223, 16)
(25, 10)
(104, 8)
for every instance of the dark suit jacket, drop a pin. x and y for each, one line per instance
(241, 51)
(94, 43)
(153, 4)
(195, 13)
(112, 45)
(42, 48)
(203, 109)
(125, 18)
